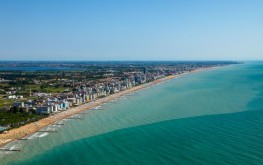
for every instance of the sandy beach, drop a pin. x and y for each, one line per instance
(19, 133)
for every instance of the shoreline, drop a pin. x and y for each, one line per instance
(31, 128)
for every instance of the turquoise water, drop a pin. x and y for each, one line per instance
(213, 117)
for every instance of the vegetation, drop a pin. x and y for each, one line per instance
(5, 102)
(12, 120)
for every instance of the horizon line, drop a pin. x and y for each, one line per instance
(123, 60)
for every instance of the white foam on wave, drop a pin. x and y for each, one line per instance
(33, 136)
(51, 127)
(43, 135)
(97, 108)
(15, 145)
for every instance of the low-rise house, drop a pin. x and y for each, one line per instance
(12, 97)
(20, 97)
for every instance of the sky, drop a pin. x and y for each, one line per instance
(131, 30)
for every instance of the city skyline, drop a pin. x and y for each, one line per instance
(131, 30)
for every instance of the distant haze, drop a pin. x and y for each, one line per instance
(131, 30)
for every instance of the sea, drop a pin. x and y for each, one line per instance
(213, 117)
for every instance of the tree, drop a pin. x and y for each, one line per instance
(14, 109)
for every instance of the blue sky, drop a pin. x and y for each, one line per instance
(131, 30)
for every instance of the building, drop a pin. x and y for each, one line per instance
(64, 105)
(45, 110)
(19, 104)
(12, 97)
(145, 70)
